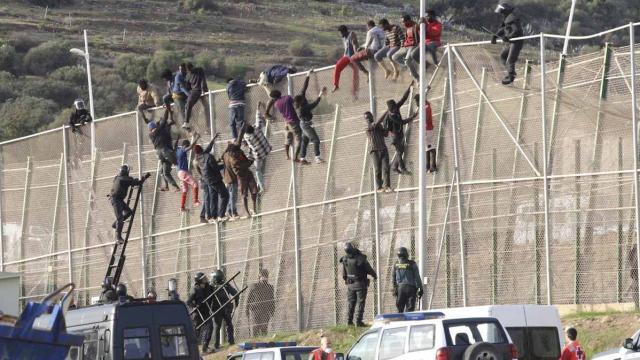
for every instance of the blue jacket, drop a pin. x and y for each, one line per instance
(236, 89)
(180, 84)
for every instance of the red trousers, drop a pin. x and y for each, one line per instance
(341, 65)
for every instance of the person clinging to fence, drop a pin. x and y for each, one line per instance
(198, 300)
(404, 56)
(259, 146)
(509, 28)
(284, 104)
(394, 37)
(430, 142)
(350, 43)
(79, 115)
(407, 284)
(304, 109)
(184, 175)
(395, 124)
(433, 30)
(160, 136)
(355, 269)
(119, 191)
(226, 300)
(180, 91)
(198, 86)
(236, 161)
(147, 98)
(379, 152)
(374, 42)
(261, 305)
(324, 352)
(236, 89)
(209, 210)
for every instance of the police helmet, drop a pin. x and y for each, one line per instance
(151, 294)
(124, 170)
(218, 277)
(79, 104)
(403, 253)
(107, 284)
(504, 8)
(349, 248)
(199, 277)
(121, 290)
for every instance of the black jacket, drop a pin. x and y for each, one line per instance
(79, 117)
(261, 299)
(161, 137)
(121, 186)
(197, 299)
(511, 28)
(355, 268)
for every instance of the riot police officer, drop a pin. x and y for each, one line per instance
(407, 284)
(224, 293)
(119, 191)
(510, 28)
(79, 116)
(355, 268)
(108, 291)
(197, 300)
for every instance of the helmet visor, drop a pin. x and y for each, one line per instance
(79, 105)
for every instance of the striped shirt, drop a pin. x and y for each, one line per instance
(394, 37)
(258, 144)
(376, 137)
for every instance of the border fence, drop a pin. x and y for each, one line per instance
(535, 199)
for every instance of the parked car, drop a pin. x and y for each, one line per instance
(630, 350)
(272, 351)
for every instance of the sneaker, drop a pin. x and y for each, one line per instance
(303, 162)
(164, 189)
(196, 204)
(203, 221)
(397, 171)
(318, 160)
(212, 220)
(186, 126)
(433, 170)
(361, 324)
(222, 219)
(388, 189)
(380, 190)
(183, 209)
(120, 240)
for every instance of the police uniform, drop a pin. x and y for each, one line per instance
(226, 314)
(197, 300)
(355, 268)
(407, 285)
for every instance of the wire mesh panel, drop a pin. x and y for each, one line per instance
(513, 223)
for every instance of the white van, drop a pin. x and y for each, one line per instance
(630, 350)
(536, 330)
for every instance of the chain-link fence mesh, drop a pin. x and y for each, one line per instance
(510, 223)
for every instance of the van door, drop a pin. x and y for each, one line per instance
(536, 342)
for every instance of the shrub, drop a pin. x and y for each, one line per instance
(52, 3)
(234, 68)
(163, 59)
(334, 54)
(9, 59)
(113, 95)
(75, 75)
(25, 115)
(300, 48)
(62, 93)
(23, 42)
(47, 57)
(210, 62)
(132, 67)
(196, 5)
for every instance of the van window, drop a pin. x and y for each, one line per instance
(463, 333)
(73, 354)
(137, 344)
(259, 356)
(365, 348)
(90, 345)
(173, 341)
(544, 342)
(421, 337)
(392, 343)
(518, 336)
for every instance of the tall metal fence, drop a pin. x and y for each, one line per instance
(541, 208)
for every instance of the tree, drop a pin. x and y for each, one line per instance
(63, 93)
(161, 60)
(25, 115)
(48, 57)
(9, 59)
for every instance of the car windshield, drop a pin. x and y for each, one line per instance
(468, 332)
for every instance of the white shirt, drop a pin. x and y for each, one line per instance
(375, 39)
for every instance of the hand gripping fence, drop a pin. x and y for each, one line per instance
(215, 298)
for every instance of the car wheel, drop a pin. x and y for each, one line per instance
(481, 351)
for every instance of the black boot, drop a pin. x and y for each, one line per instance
(508, 79)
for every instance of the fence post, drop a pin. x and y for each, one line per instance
(296, 228)
(54, 228)
(67, 200)
(634, 122)
(143, 262)
(23, 221)
(1, 217)
(212, 123)
(545, 180)
(454, 135)
(152, 239)
(376, 219)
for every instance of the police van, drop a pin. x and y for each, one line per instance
(132, 330)
(630, 350)
(433, 335)
(272, 351)
(536, 330)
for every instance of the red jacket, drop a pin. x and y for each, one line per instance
(412, 36)
(434, 30)
(429, 115)
(573, 351)
(317, 355)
